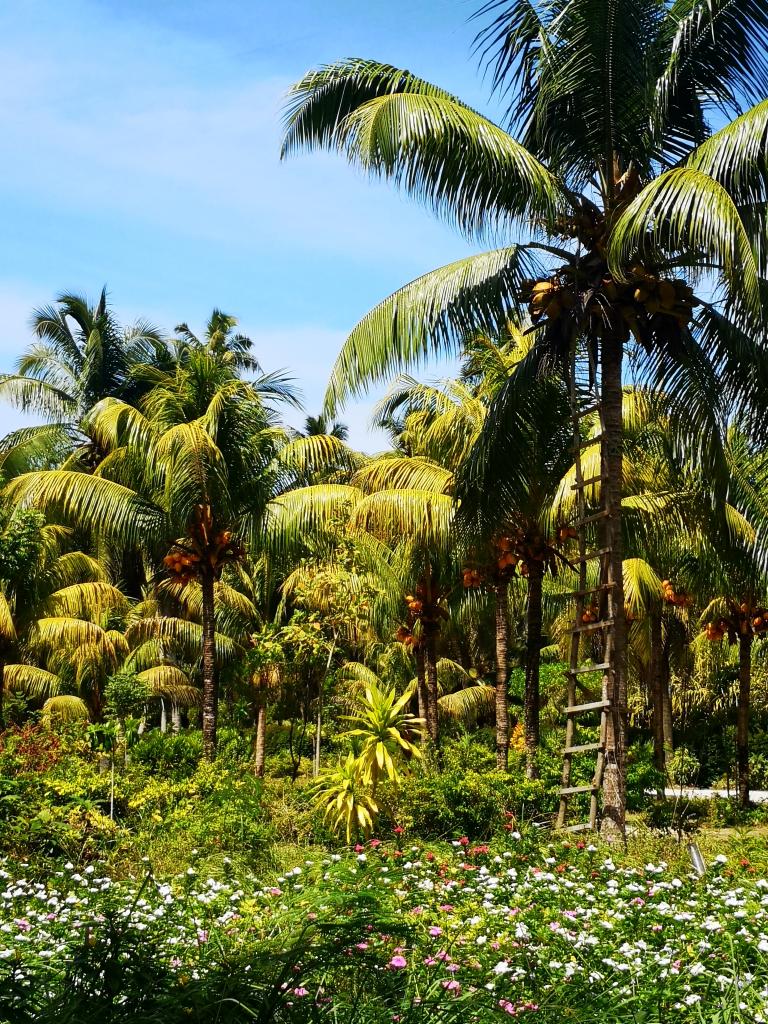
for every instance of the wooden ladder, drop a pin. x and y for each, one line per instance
(594, 588)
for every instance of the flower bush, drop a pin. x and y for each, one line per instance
(465, 932)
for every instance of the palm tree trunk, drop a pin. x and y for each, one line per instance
(430, 664)
(210, 679)
(502, 673)
(742, 717)
(175, 718)
(532, 698)
(421, 680)
(655, 671)
(260, 745)
(319, 714)
(614, 778)
(163, 716)
(669, 743)
(2, 694)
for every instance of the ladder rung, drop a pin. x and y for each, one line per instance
(602, 514)
(593, 554)
(587, 626)
(590, 441)
(587, 411)
(583, 826)
(594, 705)
(569, 790)
(588, 482)
(582, 748)
(602, 667)
(592, 590)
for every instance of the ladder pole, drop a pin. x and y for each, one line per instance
(575, 646)
(585, 400)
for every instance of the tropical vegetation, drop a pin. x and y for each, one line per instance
(283, 724)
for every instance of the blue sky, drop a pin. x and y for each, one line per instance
(141, 152)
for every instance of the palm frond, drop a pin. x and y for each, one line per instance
(642, 587)
(685, 210)
(31, 680)
(7, 627)
(86, 601)
(468, 703)
(423, 516)
(430, 143)
(169, 681)
(58, 710)
(431, 314)
(89, 502)
(393, 472)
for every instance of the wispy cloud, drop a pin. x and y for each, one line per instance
(144, 153)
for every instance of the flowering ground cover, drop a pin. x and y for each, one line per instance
(542, 933)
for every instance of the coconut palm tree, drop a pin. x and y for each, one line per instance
(82, 354)
(320, 424)
(508, 487)
(221, 341)
(606, 145)
(193, 489)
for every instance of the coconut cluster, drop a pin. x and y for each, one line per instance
(611, 306)
(182, 565)
(590, 614)
(405, 636)
(748, 618)
(679, 598)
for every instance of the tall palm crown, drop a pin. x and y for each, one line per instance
(222, 341)
(82, 354)
(609, 151)
(607, 154)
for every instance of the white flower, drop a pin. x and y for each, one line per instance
(692, 999)
(502, 967)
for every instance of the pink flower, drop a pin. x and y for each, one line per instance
(274, 891)
(398, 830)
(435, 931)
(361, 945)
(446, 907)
(374, 843)
(202, 935)
(397, 962)
(301, 991)
(464, 841)
(359, 848)
(451, 985)
(430, 961)
(453, 968)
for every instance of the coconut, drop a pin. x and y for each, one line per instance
(667, 294)
(542, 288)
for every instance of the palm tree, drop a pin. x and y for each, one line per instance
(508, 488)
(82, 354)
(221, 341)
(606, 146)
(314, 425)
(195, 488)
